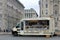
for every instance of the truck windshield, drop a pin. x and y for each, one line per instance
(18, 25)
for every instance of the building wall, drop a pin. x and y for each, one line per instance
(2, 7)
(12, 12)
(51, 8)
(44, 6)
(30, 13)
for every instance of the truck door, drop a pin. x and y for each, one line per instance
(22, 25)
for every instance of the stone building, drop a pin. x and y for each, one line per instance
(11, 11)
(30, 13)
(51, 8)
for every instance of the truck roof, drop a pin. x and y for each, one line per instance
(41, 18)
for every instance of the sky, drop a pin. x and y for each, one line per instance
(31, 4)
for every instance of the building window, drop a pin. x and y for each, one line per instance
(46, 5)
(42, 3)
(39, 2)
(25, 15)
(57, 19)
(46, 12)
(0, 16)
(55, 12)
(27, 10)
(55, 24)
(42, 11)
(29, 15)
(1, 3)
(46, 0)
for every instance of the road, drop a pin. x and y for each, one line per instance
(10, 37)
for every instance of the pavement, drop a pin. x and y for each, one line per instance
(10, 37)
(5, 33)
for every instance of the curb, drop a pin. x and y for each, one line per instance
(5, 33)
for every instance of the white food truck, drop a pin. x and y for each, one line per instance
(35, 26)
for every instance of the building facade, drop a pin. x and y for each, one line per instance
(11, 11)
(51, 8)
(30, 13)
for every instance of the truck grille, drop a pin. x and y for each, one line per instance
(18, 29)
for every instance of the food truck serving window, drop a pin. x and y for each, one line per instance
(38, 23)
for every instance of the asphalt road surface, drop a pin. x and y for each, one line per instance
(10, 37)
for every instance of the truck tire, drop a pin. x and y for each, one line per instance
(14, 33)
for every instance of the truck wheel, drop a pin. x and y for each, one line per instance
(15, 33)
